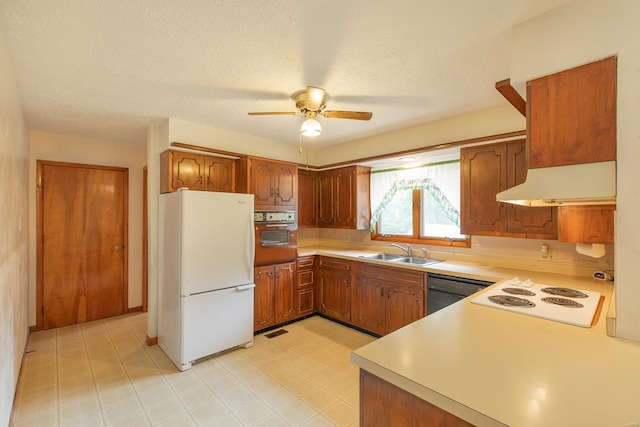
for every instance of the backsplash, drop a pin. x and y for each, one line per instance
(517, 253)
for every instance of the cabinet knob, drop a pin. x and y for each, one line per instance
(119, 248)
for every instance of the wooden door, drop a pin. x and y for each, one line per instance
(286, 183)
(405, 304)
(82, 241)
(368, 304)
(264, 298)
(285, 292)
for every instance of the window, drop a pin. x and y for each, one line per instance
(420, 204)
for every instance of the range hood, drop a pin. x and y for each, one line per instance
(583, 184)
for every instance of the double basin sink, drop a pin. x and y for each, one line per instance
(401, 259)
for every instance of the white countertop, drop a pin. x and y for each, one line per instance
(494, 367)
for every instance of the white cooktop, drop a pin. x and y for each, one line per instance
(578, 309)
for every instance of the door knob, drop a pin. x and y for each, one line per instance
(119, 248)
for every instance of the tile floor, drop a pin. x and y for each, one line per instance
(103, 373)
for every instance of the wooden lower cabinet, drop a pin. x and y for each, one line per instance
(404, 305)
(386, 298)
(384, 404)
(274, 295)
(305, 287)
(334, 283)
(264, 296)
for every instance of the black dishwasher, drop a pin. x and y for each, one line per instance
(443, 290)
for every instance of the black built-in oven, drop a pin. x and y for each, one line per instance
(276, 237)
(445, 290)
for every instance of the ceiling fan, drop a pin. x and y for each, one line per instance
(311, 103)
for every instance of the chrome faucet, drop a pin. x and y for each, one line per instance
(407, 249)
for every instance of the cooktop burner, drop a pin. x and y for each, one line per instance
(565, 292)
(562, 301)
(511, 301)
(558, 303)
(518, 291)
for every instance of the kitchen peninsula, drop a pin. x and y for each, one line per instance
(492, 367)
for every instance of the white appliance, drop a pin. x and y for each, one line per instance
(205, 283)
(566, 305)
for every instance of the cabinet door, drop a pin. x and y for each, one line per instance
(264, 297)
(405, 304)
(285, 292)
(307, 198)
(334, 294)
(325, 200)
(344, 197)
(306, 303)
(286, 185)
(538, 222)
(368, 304)
(262, 182)
(571, 116)
(482, 175)
(219, 174)
(187, 170)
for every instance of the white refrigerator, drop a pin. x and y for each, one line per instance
(205, 283)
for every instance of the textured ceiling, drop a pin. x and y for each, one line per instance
(107, 69)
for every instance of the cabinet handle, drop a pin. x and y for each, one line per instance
(271, 192)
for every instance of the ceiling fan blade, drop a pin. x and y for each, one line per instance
(353, 115)
(274, 113)
(315, 96)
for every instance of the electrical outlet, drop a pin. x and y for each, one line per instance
(551, 256)
(346, 238)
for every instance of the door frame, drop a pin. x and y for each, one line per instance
(40, 232)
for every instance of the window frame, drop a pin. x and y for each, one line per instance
(416, 238)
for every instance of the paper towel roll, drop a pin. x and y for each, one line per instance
(594, 250)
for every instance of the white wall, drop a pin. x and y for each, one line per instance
(61, 148)
(580, 32)
(487, 122)
(14, 241)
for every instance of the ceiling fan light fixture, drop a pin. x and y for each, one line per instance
(311, 127)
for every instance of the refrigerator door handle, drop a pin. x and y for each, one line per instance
(246, 287)
(252, 244)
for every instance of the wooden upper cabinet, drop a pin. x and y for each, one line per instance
(586, 224)
(343, 198)
(325, 199)
(179, 169)
(571, 116)
(274, 184)
(307, 198)
(487, 170)
(483, 171)
(539, 221)
(219, 174)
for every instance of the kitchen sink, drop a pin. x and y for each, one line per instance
(416, 260)
(401, 258)
(383, 257)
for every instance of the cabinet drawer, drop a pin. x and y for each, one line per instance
(395, 274)
(305, 278)
(334, 263)
(306, 262)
